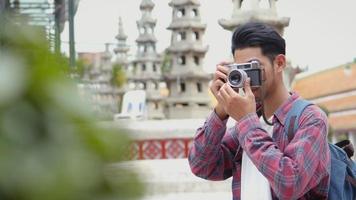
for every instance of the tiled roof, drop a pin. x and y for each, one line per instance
(327, 82)
(343, 123)
(343, 103)
(337, 86)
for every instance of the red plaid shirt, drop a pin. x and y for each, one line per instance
(298, 169)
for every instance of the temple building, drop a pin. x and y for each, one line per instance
(186, 79)
(96, 84)
(334, 90)
(104, 91)
(145, 72)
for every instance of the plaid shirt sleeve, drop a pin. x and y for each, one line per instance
(213, 151)
(296, 170)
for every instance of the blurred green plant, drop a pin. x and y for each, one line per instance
(166, 63)
(50, 146)
(80, 68)
(118, 76)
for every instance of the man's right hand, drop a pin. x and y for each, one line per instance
(220, 76)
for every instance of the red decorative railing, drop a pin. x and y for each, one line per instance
(167, 148)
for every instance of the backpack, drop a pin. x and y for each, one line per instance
(343, 169)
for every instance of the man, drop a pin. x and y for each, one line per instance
(296, 169)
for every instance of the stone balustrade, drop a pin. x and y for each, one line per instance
(159, 139)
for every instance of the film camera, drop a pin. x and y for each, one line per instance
(239, 73)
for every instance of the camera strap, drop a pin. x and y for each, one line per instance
(261, 110)
(264, 117)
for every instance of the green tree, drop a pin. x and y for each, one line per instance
(166, 63)
(80, 68)
(50, 145)
(118, 76)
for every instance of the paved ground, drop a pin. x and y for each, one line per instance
(173, 180)
(192, 196)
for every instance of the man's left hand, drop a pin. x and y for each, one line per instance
(236, 105)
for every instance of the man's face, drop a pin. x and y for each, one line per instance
(268, 75)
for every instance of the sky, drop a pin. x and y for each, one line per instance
(321, 33)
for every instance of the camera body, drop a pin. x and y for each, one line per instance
(239, 73)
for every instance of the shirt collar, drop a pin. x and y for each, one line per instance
(282, 111)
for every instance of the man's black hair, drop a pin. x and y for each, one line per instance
(256, 34)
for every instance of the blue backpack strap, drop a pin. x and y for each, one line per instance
(293, 115)
(342, 175)
(343, 169)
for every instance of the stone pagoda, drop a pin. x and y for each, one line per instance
(145, 72)
(186, 79)
(252, 10)
(122, 48)
(121, 51)
(105, 91)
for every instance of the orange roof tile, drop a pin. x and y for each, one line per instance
(327, 82)
(339, 123)
(344, 103)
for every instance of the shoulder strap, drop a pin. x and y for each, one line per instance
(293, 115)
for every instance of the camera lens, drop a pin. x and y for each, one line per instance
(235, 78)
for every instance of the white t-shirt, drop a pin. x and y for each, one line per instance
(254, 186)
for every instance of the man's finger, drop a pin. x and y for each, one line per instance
(224, 63)
(220, 75)
(222, 68)
(219, 83)
(220, 98)
(247, 87)
(223, 92)
(230, 91)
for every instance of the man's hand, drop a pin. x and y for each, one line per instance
(218, 81)
(235, 105)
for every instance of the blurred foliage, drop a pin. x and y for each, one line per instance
(50, 146)
(118, 76)
(325, 109)
(80, 68)
(166, 63)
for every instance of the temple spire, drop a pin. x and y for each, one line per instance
(122, 48)
(121, 35)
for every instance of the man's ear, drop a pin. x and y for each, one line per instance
(279, 62)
